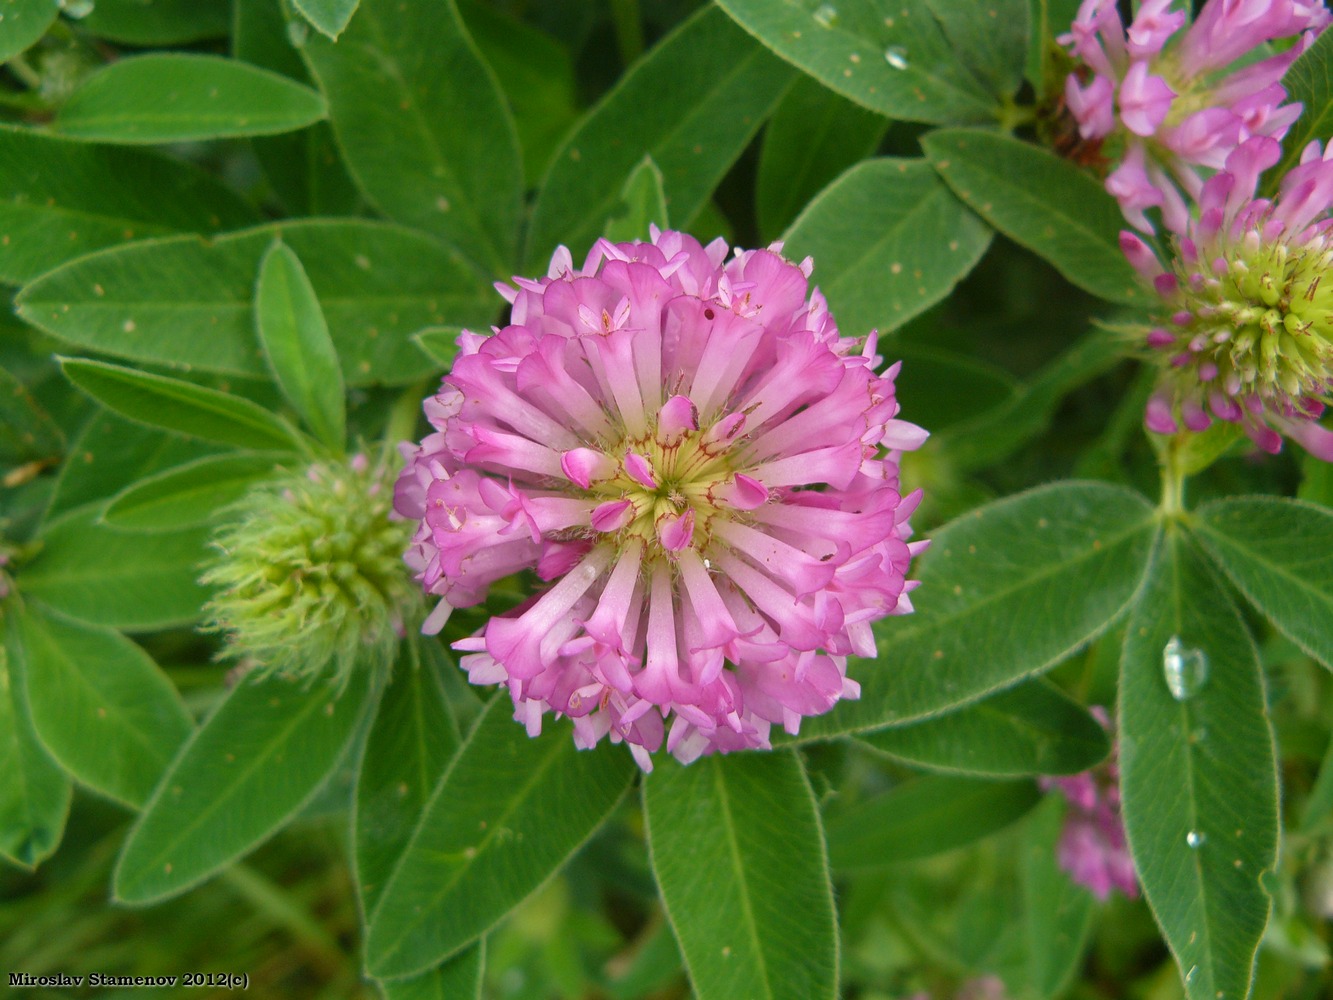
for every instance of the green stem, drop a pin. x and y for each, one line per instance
(1013, 115)
(629, 29)
(1173, 480)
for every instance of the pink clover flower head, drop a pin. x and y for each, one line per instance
(1092, 846)
(1246, 327)
(703, 470)
(1167, 92)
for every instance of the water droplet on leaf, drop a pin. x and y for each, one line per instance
(1185, 669)
(1196, 839)
(77, 9)
(826, 14)
(896, 56)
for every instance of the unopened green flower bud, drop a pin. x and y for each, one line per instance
(311, 576)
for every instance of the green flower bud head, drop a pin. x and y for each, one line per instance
(311, 577)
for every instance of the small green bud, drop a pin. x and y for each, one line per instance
(311, 576)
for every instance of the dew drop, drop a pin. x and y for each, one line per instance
(1185, 669)
(826, 14)
(896, 56)
(1196, 839)
(77, 9)
(297, 32)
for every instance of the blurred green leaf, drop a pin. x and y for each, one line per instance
(901, 66)
(1042, 202)
(264, 753)
(813, 136)
(1028, 579)
(1319, 803)
(305, 167)
(923, 817)
(1308, 80)
(35, 795)
(64, 198)
(439, 343)
(176, 97)
(296, 343)
(124, 580)
(942, 389)
(644, 204)
(158, 22)
(1277, 552)
(183, 407)
(26, 430)
(1316, 481)
(460, 978)
(183, 301)
(537, 76)
(189, 494)
(329, 16)
(889, 241)
(100, 705)
(1198, 778)
(990, 39)
(423, 126)
(506, 814)
(1057, 914)
(25, 22)
(738, 853)
(1030, 729)
(709, 87)
(411, 742)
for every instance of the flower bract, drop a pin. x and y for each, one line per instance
(701, 471)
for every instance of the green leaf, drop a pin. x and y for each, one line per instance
(1057, 914)
(423, 126)
(183, 407)
(296, 344)
(100, 705)
(189, 494)
(330, 17)
(889, 241)
(710, 87)
(943, 389)
(991, 40)
(305, 167)
(1276, 551)
(1308, 80)
(26, 430)
(505, 816)
(111, 454)
(25, 22)
(813, 136)
(179, 98)
(265, 753)
(1198, 777)
(183, 301)
(1042, 202)
(460, 978)
(157, 22)
(64, 198)
(1028, 579)
(924, 817)
(1030, 729)
(136, 582)
(984, 443)
(536, 73)
(738, 852)
(901, 66)
(440, 343)
(410, 745)
(35, 795)
(643, 204)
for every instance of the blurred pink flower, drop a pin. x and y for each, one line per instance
(1092, 846)
(703, 470)
(1246, 331)
(1181, 106)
